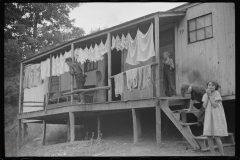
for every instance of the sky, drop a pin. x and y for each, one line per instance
(94, 15)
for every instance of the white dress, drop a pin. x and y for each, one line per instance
(215, 121)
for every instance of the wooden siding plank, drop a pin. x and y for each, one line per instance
(233, 71)
(229, 22)
(218, 10)
(49, 82)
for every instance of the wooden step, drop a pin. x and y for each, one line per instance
(215, 146)
(188, 124)
(203, 142)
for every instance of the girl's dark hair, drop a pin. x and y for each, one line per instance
(215, 84)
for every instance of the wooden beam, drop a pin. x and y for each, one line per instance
(44, 132)
(158, 125)
(68, 129)
(109, 66)
(143, 103)
(87, 90)
(135, 126)
(157, 68)
(49, 82)
(98, 125)
(19, 145)
(72, 77)
(72, 126)
(21, 89)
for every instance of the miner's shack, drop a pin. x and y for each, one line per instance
(201, 40)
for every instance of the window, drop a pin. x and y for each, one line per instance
(200, 28)
(89, 66)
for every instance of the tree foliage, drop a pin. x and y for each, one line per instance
(31, 28)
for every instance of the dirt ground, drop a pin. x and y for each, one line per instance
(116, 146)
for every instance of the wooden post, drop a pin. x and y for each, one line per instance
(44, 132)
(72, 126)
(20, 89)
(136, 125)
(25, 133)
(98, 125)
(109, 67)
(157, 81)
(19, 134)
(72, 77)
(68, 129)
(49, 83)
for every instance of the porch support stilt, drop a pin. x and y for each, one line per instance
(158, 125)
(68, 129)
(72, 126)
(25, 133)
(136, 125)
(19, 134)
(98, 125)
(44, 133)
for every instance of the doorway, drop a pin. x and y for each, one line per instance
(166, 40)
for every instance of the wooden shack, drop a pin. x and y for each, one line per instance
(201, 40)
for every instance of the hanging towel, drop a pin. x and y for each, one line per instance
(132, 79)
(26, 77)
(97, 53)
(123, 42)
(145, 45)
(140, 77)
(119, 84)
(86, 52)
(43, 69)
(132, 51)
(66, 67)
(36, 75)
(61, 64)
(118, 43)
(147, 78)
(48, 67)
(113, 43)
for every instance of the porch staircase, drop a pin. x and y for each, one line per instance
(177, 117)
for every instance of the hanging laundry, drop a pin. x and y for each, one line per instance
(132, 79)
(86, 53)
(145, 45)
(31, 76)
(53, 66)
(147, 78)
(123, 42)
(132, 51)
(75, 53)
(140, 77)
(118, 43)
(102, 49)
(26, 77)
(61, 64)
(113, 43)
(119, 84)
(66, 55)
(43, 69)
(48, 67)
(97, 53)
(36, 75)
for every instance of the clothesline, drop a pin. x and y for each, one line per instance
(152, 64)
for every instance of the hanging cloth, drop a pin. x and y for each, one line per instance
(119, 84)
(97, 53)
(26, 77)
(118, 43)
(53, 66)
(66, 55)
(61, 64)
(132, 51)
(145, 44)
(123, 42)
(147, 78)
(48, 67)
(43, 69)
(57, 66)
(113, 43)
(140, 77)
(102, 49)
(86, 52)
(132, 79)
(36, 75)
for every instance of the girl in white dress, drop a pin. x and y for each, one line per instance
(215, 125)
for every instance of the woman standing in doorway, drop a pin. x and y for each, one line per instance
(168, 75)
(215, 125)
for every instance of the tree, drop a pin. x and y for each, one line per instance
(38, 25)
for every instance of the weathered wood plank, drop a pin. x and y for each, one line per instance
(68, 129)
(72, 77)
(158, 125)
(184, 130)
(72, 126)
(21, 89)
(135, 126)
(44, 132)
(19, 145)
(109, 66)
(49, 82)
(157, 57)
(87, 90)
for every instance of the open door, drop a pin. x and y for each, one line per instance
(166, 40)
